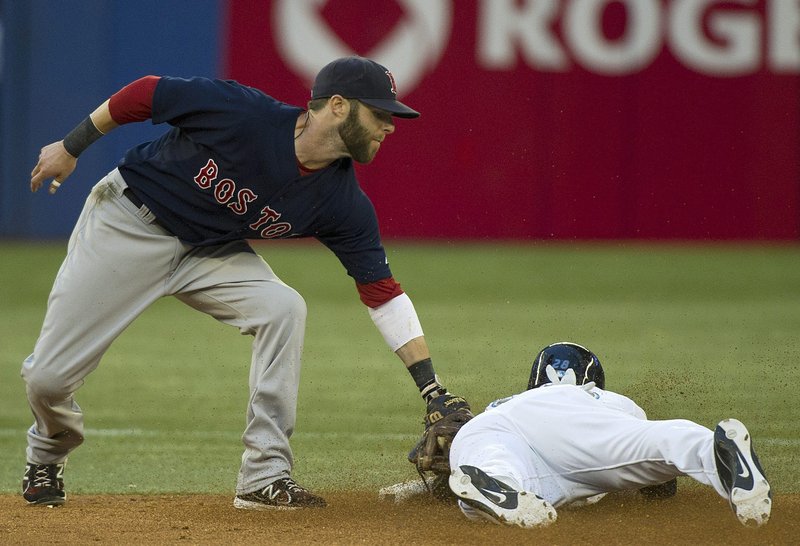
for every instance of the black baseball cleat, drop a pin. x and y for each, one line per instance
(43, 484)
(283, 494)
(741, 474)
(499, 502)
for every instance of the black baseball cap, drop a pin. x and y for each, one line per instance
(362, 79)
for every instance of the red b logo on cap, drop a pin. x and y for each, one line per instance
(391, 81)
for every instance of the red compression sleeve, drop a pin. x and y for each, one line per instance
(377, 293)
(134, 102)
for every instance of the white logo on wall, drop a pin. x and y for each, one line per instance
(740, 37)
(410, 50)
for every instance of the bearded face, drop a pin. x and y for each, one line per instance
(357, 139)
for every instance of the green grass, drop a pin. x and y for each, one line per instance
(698, 332)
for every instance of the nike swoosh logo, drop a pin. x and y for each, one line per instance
(745, 473)
(507, 500)
(497, 498)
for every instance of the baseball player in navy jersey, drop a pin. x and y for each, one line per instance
(567, 440)
(173, 218)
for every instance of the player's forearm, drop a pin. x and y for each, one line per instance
(102, 119)
(398, 323)
(87, 131)
(413, 351)
(97, 124)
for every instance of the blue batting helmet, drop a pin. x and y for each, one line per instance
(564, 356)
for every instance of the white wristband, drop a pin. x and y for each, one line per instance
(397, 321)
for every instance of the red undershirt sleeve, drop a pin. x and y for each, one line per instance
(134, 102)
(377, 293)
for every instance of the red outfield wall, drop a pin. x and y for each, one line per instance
(560, 119)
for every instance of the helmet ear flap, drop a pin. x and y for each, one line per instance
(595, 372)
(538, 372)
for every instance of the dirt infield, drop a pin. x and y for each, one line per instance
(694, 516)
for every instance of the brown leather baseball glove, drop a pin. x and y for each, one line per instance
(446, 414)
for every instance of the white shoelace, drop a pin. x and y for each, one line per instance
(42, 477)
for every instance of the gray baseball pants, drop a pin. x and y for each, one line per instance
(119, 261)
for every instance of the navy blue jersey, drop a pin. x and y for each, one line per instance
(227, 170)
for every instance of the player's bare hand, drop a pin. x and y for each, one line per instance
(54, 163)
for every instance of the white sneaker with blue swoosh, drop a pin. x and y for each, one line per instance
(741, 473)
(497, 501)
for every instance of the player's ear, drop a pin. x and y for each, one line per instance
(340, 106)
